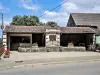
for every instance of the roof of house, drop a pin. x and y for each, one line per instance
(77, 30)
(41, 29)
(28, 29)
(92, 19)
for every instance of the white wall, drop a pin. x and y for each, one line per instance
(5, 40)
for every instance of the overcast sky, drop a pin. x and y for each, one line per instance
(60, 15)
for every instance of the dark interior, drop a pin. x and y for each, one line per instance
(76, 39)
(36, 38)
(39, 39)
(15, 40)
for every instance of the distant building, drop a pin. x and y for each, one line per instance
(84, 19)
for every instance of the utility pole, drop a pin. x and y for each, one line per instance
(2, 26)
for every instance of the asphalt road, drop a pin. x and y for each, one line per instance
(86, 68)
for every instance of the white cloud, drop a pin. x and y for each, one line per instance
(51, 14)
(6, 21)
(3, 9)
(69, 7)
(60, 17)
(29, 5)
(72, 6)
(96, 9)
(43, 20)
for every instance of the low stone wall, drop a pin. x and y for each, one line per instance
(51, 49)
(66, 49)
(24, 49)
(25, 45)
(42, 49)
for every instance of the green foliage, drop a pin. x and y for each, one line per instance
(30, 21)
(52, 24)
(25, 20)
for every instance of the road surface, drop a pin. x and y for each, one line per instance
(86, 68)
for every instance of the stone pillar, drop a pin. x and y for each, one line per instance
(5, 40)
(31, 39)
(94, 39)
(9, 40)
(46, 39)
(58, 39)
(43, 37)
(51, 32)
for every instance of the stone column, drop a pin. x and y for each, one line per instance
(5, 40)
(93, 39)
(9, 40)
(43, 36)
(58, 39)
(46, 39)
(31, 39)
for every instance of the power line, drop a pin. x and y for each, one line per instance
(64, 3)
(93, 5)
(55, 8)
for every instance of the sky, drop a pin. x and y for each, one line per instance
(60, 15)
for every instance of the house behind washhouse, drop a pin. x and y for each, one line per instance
(80, 31)
(91, 20)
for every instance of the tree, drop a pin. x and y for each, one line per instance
(25, 20)
(52, 24)
(16, 20)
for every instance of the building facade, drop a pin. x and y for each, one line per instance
(91, 20)
(45, 36)
(82, 30)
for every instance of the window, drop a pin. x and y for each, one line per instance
(52, 37)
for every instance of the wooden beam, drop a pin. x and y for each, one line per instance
(20, 34)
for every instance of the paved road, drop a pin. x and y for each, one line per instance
(87, 68)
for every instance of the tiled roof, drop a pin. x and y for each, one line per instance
(41, 29)
(77, 30)
(92, 19)
(28, 29)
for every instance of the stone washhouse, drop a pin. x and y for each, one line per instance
(81, 31)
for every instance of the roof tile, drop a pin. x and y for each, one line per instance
(92, 19)
(41, 29)
(77, 30)
(24, 29)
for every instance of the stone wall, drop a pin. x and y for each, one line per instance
(51, 49)
(55, 32)
(5, 40)
(53, 43)
(67, 49)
